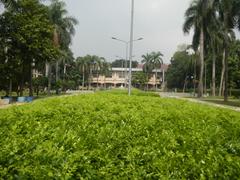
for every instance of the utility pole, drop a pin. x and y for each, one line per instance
(131, 51)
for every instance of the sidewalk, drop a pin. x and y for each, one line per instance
(184, 96)
(10, 105)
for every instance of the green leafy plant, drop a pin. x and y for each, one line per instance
(109, 135)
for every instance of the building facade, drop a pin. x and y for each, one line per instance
(119, 77)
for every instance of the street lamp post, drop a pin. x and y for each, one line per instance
(191, 53)
(131, 51)
(127, 44)
(122, 72)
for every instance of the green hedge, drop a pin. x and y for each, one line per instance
(235, 93)
(113, 136)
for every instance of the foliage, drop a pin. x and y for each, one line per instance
(152, 61)
(63, 24)
(139, 79)
(91, 65)
(26, 38)
(9, 3)
(234, 64)
(121, 63)
(40, 82)
(113, 136)
(213, 22)
(182, 66)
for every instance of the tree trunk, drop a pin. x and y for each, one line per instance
(64, 76)
(89, 79)
(200, 85)
(97, 77)
(222, 74)
(226, 39)
(49, 78)
(46, 69)
(195, 77)
(10, 87)
(57, 71)
(163, 80)
(83, 78)
(205, 81)
(226, 76)
(21, 86)
(147, 81)
(22, 81)
(156, 79)
(214, 74)
(30, 80)
(185, 84)
(37, 90)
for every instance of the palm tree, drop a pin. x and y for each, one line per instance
(196, 17)
(147, 67)
(105, 68)
(223, 73)
(9, 3)
(91, 62)
(214, 43)
(63, 27)
(229, 13)
(157, 61)
(82, 65)
(100, 62)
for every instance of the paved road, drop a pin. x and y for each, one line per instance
(187, 96)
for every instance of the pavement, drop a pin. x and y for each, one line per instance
(10, 105)
(187, 97)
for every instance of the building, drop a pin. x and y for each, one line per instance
(118, 77)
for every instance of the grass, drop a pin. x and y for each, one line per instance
(109, 135)
(234, 103)
(134, 92)
(220, 100)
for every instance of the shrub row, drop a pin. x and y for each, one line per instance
(111, 136)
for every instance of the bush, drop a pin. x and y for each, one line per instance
(235, 93)
(114, 136)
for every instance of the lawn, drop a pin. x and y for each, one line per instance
(231, 101)
(108, 135)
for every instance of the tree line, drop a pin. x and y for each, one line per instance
(213, 23)
(183, 72)
(33, 36)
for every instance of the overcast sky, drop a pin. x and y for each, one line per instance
(159, 22)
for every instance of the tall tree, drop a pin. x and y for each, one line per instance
(9, 3)
(157, 61)
(180, 69)
(63, 28)
(214, 41)
(197, 18)
(147, 66)
(29, 31)
(229, 11)
(82, 65)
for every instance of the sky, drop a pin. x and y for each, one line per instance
(159, 22)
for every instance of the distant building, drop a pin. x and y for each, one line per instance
(36, 73)
(118, 77)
